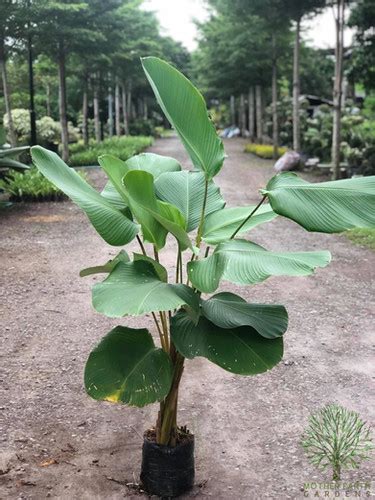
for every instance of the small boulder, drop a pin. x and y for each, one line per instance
(290, 160)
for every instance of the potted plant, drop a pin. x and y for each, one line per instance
(152, 196)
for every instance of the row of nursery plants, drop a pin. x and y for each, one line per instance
(149, 197)
(29, 185)
(357, 132)
(122, 147)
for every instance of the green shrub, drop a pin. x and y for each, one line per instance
(29, 186)
(121, 147)
(264, 150)
(362, 236)
(48, 130)
(140, 126)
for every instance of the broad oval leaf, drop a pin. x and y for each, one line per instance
(111, 194)
(116, 169)
(220, 225)
(185, 190)
(139, 189)
(112, 225)
(237, 350)
(186, 110)
(228, 310)
(245, 263)
(134, 288)
(106, 268)
(159, 269)
(126, 367)
(153, 164)
(156, 217)
(325, 207)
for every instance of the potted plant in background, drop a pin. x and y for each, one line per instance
(153, 196)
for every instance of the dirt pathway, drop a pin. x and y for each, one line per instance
(55, 442)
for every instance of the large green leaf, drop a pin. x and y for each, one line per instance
(153, 164)
(116, 170)
(238, 350)
(11, 152)
(159, 269)
(112, 225)
(326, 207)
(14, 164)
(186, 110)
(122, 256)
(245, 263)
(111, 194)
(135, 288)
(156, 217)
(228, 310)
(185, 190)
(126, 367)
(220, 225)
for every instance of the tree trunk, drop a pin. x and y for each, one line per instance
(232, 110)
(96, 112)
(337, 89)
(139, 108)
(48, 98)
(145, 109)
(62, 103)
(242, 115)
(129, 106)
(33, 134)
(85, 130)
(117, 109)
(296, 90)
(166, 425)
(6, 91)
(259, 113)
(275, 124)
(251, 113)
(110, 109)
(125, 110)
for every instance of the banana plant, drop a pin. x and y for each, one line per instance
(149, 198)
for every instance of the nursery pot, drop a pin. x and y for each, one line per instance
(168, 471)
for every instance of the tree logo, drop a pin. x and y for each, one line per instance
(337, 439)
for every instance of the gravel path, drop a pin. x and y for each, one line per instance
(55, 442)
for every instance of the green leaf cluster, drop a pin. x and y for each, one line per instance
(149, 197)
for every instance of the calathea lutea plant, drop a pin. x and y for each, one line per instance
(150, 197)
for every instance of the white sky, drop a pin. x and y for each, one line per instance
(176, 19)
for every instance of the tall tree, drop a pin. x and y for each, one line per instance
(362, 61)
(8, 20)
(297, 10)
(339, 14)
(63, 27)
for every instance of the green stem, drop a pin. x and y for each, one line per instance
(336, 472)
(178, 265)
(167, 420)
(248, 217)
(141, 245)
(168, 409)
(181, 271)
(201, 222)
(164, 343)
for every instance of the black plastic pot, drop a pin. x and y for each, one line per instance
(167, 471)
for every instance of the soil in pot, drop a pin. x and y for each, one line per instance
(167, 471)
